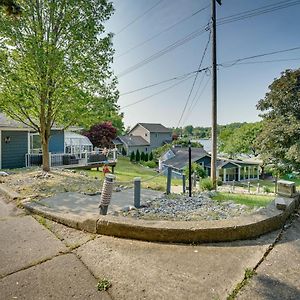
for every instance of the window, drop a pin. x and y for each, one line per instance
(146, 149)
(146, 134)
(156, 135)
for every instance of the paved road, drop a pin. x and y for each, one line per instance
(57, 262)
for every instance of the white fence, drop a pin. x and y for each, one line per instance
(67, 159)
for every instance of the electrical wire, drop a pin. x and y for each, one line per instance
(139, 17)
(163, 51)
(158, 83)
(155, 94)
(201, 30)
(234, 62)
(195, 79)
(161, 32)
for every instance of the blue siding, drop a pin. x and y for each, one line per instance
(13, 152)
(57, 141)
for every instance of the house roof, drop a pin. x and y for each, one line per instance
(8, 122)
(131, 140)
(180, 160)
(153, 127)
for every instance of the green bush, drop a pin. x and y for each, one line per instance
(132, 156)
(137, 156)
(124, 152)
(206, 184)
(146, 157)
(150, 164)
(151, 156)
(266, 189)
(142, 156)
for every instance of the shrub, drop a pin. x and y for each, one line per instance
(143, 156)
(150, 164)
(146, 158)
(151, 156)
(132, 156)
(137, 156)
(266, 189)
(206, 184)
(124, 152)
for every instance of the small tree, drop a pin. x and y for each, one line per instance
(151, 156)
(124, 151)
(146, 158)
(137, 156)
(132, 156)
(101, 135)
(142, 156)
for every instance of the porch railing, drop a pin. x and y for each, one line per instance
(64, 159)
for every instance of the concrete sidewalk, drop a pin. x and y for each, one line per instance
(81, 204)
(34, 264)
(38, 264)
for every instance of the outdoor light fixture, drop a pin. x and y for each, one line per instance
(7, 139)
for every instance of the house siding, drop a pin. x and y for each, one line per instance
(57, 141)
(141, 149)
(158, 138)
(141, 131)
(13, 153)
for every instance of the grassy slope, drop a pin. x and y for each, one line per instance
(126, 171)
(249, 200)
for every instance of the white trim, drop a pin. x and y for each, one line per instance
(14, 129)
(0, 149)
(28, 142)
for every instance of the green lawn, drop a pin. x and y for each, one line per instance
(126, 171)
(249, 200)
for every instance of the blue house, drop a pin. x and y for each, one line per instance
(18, 142)
(14, 143)
(227, 169)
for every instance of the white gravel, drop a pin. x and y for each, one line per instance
(184, 208)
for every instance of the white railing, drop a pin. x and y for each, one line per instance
(63, 159)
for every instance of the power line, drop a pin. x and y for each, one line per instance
(139, 17)
(158, 83)
(194, 82)
(192, 107)
(161, 32)
(159, 92)
(163, 51)
(199, 31)
(256, 12)
(234, 62)
(267, 61)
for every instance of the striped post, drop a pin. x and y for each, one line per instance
(106, 193)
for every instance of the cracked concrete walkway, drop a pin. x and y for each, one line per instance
(58, 262)
(35, 264)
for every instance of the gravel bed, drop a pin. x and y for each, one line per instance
(183, 208)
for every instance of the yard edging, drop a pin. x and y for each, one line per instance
(238, 228)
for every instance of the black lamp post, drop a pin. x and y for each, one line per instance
(190, 170)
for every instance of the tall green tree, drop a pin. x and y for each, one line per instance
(55, 64)
(279, 140)
(241, 140)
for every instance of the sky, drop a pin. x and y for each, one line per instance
(240, 85)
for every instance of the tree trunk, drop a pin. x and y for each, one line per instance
(45, 149)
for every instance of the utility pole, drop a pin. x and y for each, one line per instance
(213, 174)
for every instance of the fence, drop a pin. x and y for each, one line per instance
(64, 159)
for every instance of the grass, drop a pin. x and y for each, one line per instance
(103, 285)
(249, 200)
(126, 171)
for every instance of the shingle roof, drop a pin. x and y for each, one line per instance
(132, 140)
(155, 127)
(7, 122)
(181, 157)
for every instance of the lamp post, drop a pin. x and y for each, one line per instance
(190, 170)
